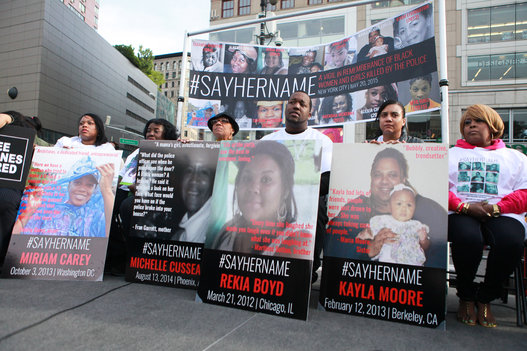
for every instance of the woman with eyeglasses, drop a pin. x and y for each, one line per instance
(223, 126)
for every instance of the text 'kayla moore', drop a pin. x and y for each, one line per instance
(381, 273)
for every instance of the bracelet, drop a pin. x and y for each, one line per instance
(496, 211)
(459, 207)
(465, 209)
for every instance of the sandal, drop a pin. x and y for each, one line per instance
(485, 317)
(466, 312)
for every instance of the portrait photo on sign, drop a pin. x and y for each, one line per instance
(68, 194)
(200, 111)
(207, 56)
(386, 210)
(265, 198)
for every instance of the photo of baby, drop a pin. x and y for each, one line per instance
(412, 235)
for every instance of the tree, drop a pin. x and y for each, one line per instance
(128, 52)
(144, 60)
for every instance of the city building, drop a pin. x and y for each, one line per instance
(63, 71)
(170, 66)
(486, 45)
(87, 10)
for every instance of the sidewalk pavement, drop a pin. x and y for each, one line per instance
(117, 315)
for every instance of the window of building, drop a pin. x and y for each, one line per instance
(166, 85)
(314, 2)
(244, 35)
(82, 7)
(161, 66)
(271, 7)
(497, 23)
(287, 4)
(155, 66)
(312, 32)
(244, 7)
(172, 92)
(166, 93)
(174, 65)
(515, 121)
(389, 3)
(173, 74)
(496, 68)
(173, 84)
(166, 75)
(167, 66)
(227, 8)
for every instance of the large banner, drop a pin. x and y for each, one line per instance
(16, 150)
(62, 226)
(171, 212)
(385, 250)
(258, 253)
(347, 79)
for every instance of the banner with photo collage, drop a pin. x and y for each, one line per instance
(258, 253)
(347, 79)
(385, 248)
(62, 226)
(171, 211)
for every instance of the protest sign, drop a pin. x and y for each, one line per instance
(171, 212)
(385, 249)
(16, 150)
(347, 80)
(62, 226)
(258, 253)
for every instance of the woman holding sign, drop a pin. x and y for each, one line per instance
(91, 135)
(392, 124)
(494, 216)
(264, 205)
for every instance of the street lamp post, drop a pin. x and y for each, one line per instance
(263, 14)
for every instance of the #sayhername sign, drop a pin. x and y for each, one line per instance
(171, 212)
(258, 253)
(62, 227)
(385, 251)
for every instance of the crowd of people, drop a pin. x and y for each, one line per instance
(403, 226)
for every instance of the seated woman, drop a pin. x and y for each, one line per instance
(91, 135)
(485, 216)
(81, 214)
(263, 193)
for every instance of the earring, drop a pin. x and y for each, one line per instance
(281, 213)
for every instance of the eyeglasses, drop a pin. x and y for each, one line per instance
(220, 120)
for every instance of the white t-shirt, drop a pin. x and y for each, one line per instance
(76, 143)
(324, 143)
(480, 174)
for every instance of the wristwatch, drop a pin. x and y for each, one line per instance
(496, 211)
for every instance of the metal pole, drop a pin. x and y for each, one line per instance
(263, 6)
(443, 70)
(182, 83)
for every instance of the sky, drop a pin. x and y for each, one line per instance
(157, 24)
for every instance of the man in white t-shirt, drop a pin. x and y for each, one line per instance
(297, 113)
